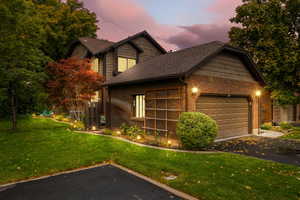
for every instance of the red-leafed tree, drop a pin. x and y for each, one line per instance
(72, 84)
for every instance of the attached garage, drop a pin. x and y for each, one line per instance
(232, 114)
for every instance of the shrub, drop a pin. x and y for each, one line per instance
(131, 131)
(266, 126)
(107, 132)
(285, 125)
(78, 126)
(196, 130)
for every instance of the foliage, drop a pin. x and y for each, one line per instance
(196, 130)
(77, 125)
(21, 58)
(266, 126)
(64, 23)
(285, 125)
(44, 147)
(131, 131)
(72, 83)
(107, 132)
(269, 30)
(294, 134)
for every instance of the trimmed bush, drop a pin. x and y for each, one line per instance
(196, 130)
(285, 125)
(266, 126)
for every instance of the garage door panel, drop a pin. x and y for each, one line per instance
(231, 114)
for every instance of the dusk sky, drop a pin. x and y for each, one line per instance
(175, 24)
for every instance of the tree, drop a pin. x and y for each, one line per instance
(65, 22)
(72, 84)
(269, 30)
(21, 58)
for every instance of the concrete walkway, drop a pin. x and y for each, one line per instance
(270, 134)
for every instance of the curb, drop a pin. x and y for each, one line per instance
(149, 146)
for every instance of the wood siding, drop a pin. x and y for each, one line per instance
(226, 66)
(109, 59)
(149, 50)
(127, 51)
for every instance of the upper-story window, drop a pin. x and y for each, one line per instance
(95, 64)
(125, 63)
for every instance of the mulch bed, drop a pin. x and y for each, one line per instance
(275, 149)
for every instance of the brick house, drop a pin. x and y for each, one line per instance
(149, 87)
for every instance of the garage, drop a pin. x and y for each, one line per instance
(231, 114)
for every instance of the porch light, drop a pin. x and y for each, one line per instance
(138, 137)
(258, 93)
(195, 90)
(93, 128)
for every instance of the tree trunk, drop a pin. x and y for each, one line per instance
(13, 110)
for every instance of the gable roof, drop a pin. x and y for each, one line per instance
(96, 46)
(180, 64)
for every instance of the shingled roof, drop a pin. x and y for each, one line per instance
(96, 46)
(178, 64)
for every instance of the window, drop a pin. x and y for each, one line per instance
(139, 106)
(125, 63)
(95, 98)
(95, 64)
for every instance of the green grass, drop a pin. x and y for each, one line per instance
(295, 134)
(42, 146)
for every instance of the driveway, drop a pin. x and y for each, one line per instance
(105, 182)
(275, 149)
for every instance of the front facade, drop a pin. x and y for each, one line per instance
(222, 84)
(148, 87)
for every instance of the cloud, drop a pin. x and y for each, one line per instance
(127, 17)
(120, 19)
(192, 35)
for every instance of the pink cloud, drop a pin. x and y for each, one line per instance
(223, 10)
(127, 17)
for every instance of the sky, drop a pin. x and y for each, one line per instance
(175, 24)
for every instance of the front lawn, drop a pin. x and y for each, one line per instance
(295, 134)
(42, 146)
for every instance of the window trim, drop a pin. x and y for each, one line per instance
(127, 58)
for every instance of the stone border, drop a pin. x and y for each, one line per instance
(149, 146)
(156, 183)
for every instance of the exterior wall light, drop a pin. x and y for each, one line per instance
(195, 90)
(258, 93)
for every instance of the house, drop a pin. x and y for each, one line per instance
(214, 78)
(148, 87)
(112, 58)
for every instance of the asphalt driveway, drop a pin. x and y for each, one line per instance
(275, 149)
(105, 182)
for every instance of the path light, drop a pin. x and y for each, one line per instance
(93, 128)
(195, 90)
(118, 132)
(169, 142)
(138, 137)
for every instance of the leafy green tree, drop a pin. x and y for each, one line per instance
(65, 21)
(21, 58)
(269, 30)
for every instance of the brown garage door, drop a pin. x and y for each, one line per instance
(230, 113)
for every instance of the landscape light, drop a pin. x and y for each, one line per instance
(169, 142)
(138, 137)
(118, 132)
(93, 128)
